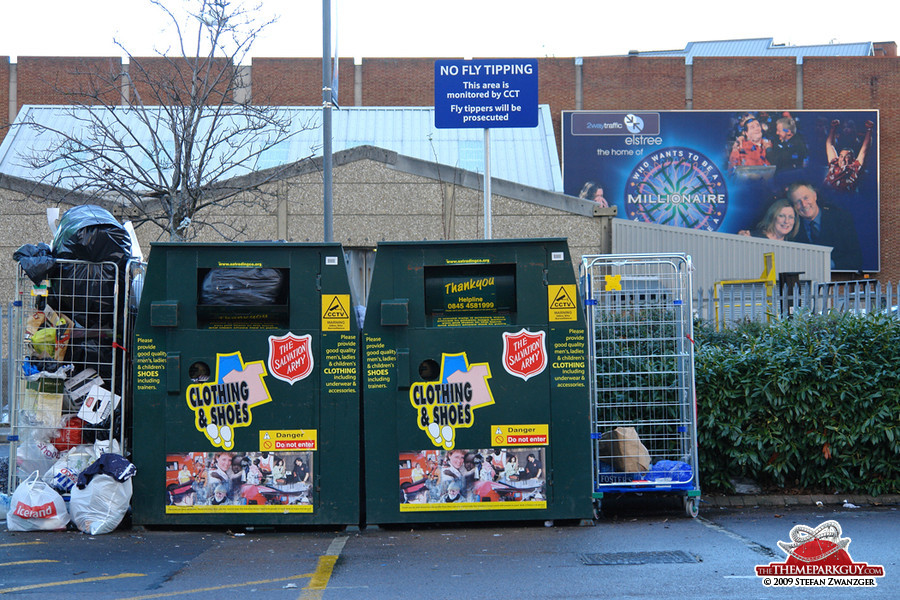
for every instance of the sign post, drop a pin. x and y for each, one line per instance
(488, 227)
(485, 94)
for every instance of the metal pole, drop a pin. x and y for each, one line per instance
(327, 207)
(487, 184)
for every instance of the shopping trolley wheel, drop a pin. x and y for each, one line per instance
(692, 506)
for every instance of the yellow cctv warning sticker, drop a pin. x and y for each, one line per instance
(562, 302)
(335, 312)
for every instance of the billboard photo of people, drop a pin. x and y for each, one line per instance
(477, 479)
(213, 482)
(788, 175)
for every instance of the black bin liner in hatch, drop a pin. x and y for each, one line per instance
(242, 287)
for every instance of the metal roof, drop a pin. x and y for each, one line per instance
(526, 156)
(762, 47)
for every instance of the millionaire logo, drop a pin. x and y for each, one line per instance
(677, 186)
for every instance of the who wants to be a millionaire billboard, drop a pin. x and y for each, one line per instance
(800, 175)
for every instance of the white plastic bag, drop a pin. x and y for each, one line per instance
(104, 446)
(36, 506)
(64, 472)
(34, 455)
(101, 505)
(4, 504)
(61, 477)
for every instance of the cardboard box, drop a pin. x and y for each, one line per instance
(98, 405)
(78, 387)
(622, 448)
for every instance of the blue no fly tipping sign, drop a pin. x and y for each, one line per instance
(485, 93)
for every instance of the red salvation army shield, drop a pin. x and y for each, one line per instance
(524, 353)
(290, 357)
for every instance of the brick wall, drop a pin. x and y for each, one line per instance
(5, 117)
(65, 80)
(620, 83)
(398, 81)
(556, 87)
(738, 83)
(885, 48)
(297, 81)
(146, 73)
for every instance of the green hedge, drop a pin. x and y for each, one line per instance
(809, 402)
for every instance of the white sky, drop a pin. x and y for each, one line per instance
(454, 28)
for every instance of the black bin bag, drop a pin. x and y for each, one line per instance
(242, 287)
(87, 292)
(92, 233)
(36, 260)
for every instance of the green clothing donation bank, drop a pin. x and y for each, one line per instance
(246, 393)
(475, 384)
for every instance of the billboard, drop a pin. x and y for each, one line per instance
(799, 175)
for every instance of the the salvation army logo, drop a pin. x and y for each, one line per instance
(524, 353)
(290, 357)
(677, 186)
(818, 557)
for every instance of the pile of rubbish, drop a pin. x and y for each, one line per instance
(99, 499)
(69, 401)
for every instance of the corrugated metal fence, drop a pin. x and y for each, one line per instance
(722, 256)
(753, 302)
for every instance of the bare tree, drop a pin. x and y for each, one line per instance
(172, 136)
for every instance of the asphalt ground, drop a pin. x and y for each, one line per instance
(639, 547)
(732, 534)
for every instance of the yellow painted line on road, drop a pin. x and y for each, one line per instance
(319, 581)
(21, 544)
(38, 586)
(28, 562)
(217, 588)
